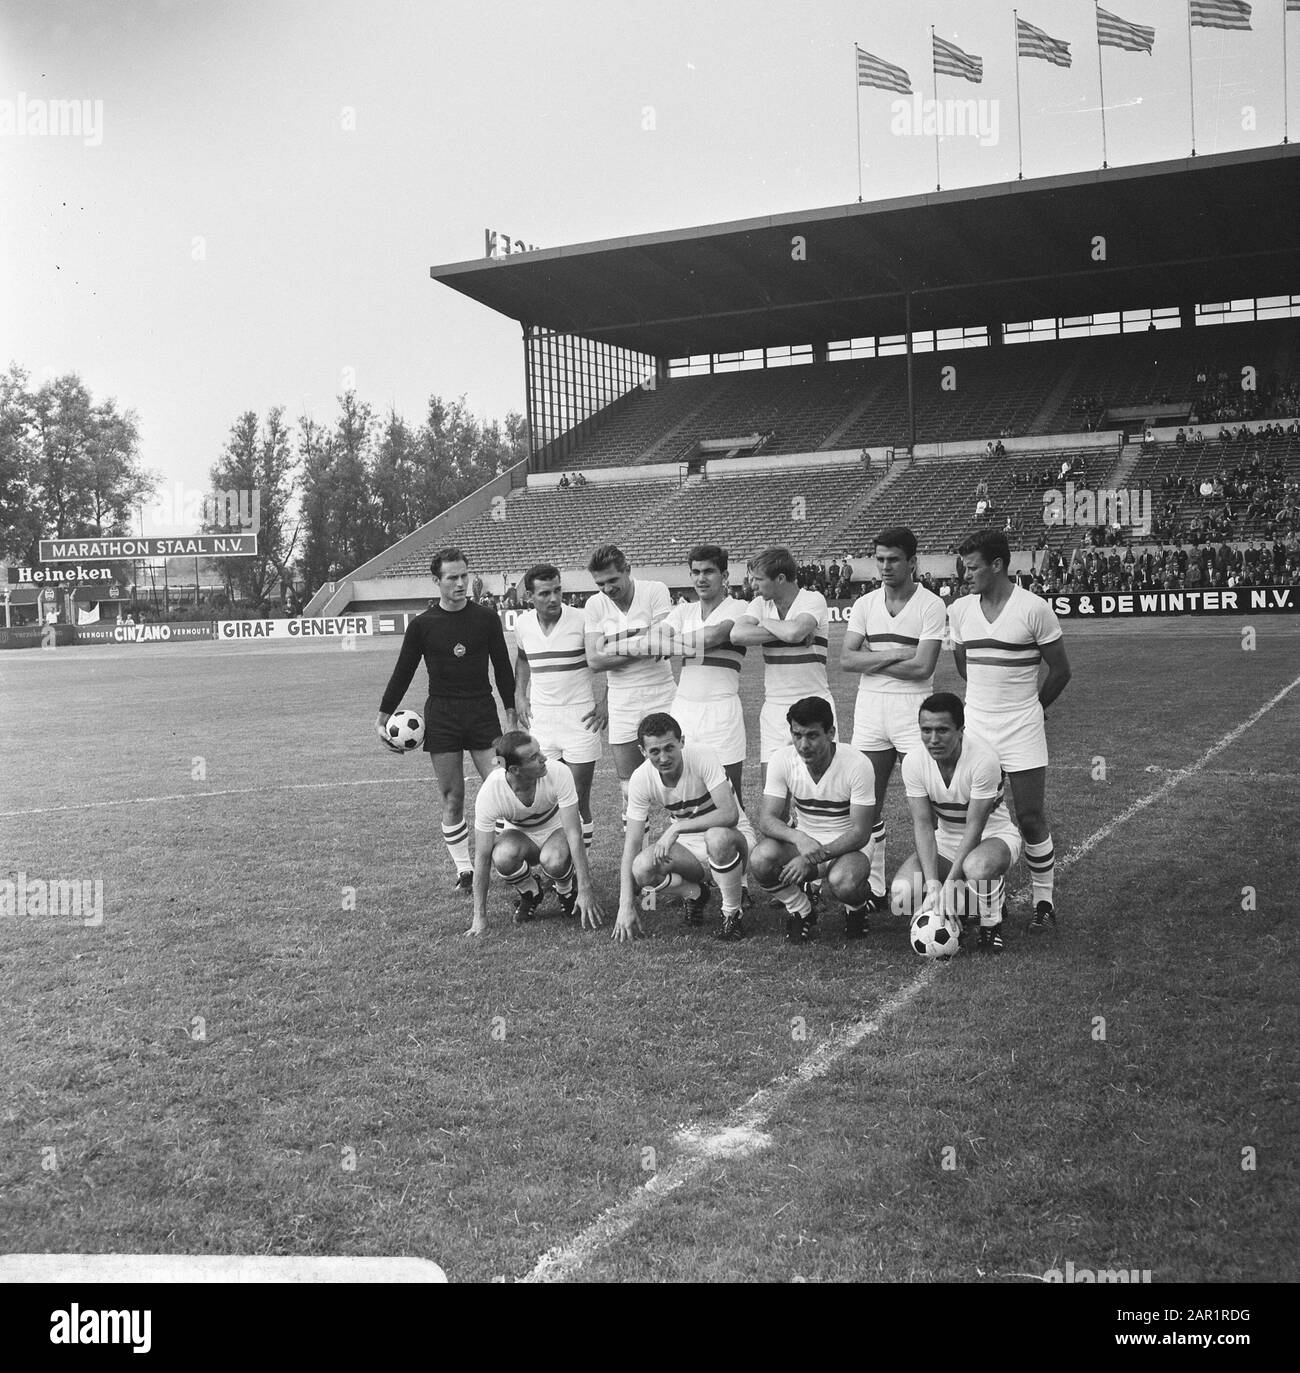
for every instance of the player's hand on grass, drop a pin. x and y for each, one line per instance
(627, 927)
(590, 914)
(597, 718)
(478, 927)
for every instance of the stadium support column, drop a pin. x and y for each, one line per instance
(911, 395)
(528, 394)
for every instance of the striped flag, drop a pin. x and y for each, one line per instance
(949, 60)
(874, 71)
(1035, 43)
(1114, 32)
(1221, 14)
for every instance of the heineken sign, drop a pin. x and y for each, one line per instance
(78, 575)
(182, 546)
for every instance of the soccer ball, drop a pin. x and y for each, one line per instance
(934, 935)
(404, 731)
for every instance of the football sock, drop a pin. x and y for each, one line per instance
(794, 899)
(588, 833)
(523, 880)
(878, 858)
(679, 886)
(563, 881)
(1041, 861)
(456, 838)
(988, 895)
(729, 880)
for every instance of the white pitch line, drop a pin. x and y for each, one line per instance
(229, 791)
(563, 1260)
(747, 1120)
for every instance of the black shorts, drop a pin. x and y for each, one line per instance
(453, 724)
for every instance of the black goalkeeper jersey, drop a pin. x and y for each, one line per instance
(455, 646)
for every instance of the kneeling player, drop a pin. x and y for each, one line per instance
(701, 839)
(537, 806)
(965, 840)
(833, 789)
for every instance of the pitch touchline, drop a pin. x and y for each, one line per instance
(229, 791)
(741, 1133)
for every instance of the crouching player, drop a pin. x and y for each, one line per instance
(537, 805)
(833, 789)
(965, 840)
(701, 839)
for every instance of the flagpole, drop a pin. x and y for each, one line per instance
(934, 74)
(1191, 80)
(1285, 139)
(857, 107)
(1020, 144)
(1101, 82)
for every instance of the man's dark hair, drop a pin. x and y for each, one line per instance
(608, 555)
(656, 723)
(945, 703)
(450, 554)
(540, 572)
(508, 745)
(811, 710)
(990, 544)
(900, 537)
(775, 562)
(708, 553)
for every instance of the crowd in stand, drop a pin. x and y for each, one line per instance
(1176, 568)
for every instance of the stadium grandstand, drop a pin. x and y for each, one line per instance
(940, 360)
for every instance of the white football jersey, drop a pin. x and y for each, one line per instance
(793, 671)
(496, 800)
(650, 603)
(1002, 658)
(822, 807)
(978, 776)
(717, 672)
(701, 773)
(557, 660)
(923, 617)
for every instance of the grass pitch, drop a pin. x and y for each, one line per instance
(278, 1042)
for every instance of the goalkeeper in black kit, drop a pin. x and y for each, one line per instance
(455, 637)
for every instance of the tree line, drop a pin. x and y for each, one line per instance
(331, 496)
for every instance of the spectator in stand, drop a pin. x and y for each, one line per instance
(564, 480)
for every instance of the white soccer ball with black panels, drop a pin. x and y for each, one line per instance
(404, 731)
(934, 935)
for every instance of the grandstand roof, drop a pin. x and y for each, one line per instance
(1202, 229)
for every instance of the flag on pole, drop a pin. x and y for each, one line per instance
(1221, 14)
(1114, 32)
(874, 71)
(1034, 42)
(949, 60)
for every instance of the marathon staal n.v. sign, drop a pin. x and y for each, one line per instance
(178, 546)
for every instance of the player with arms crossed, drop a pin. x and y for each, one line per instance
(790, 624)
(833, 790)
(618, 619)
(701, 838)
(556, 693)
(959, 818)
(1000, 635)
(536, 805)
(893, 640)
(456, 638)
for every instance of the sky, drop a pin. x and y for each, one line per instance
(259, 189)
